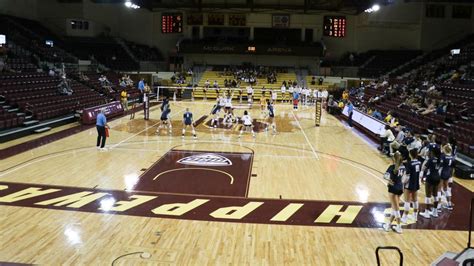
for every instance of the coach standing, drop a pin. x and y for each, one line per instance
(141, 88)
(101, 124)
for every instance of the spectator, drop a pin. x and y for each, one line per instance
(386, 138)
(395, 145)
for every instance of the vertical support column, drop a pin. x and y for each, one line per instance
(251, 37)
(303, 34)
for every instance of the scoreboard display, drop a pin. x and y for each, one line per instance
(172, 23)
(334, 26)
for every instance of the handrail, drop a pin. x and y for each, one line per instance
(390, 248)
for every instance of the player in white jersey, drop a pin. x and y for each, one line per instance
(283, 93)
(274, 96)
(250, 94)
(246, 124)
(291, 90)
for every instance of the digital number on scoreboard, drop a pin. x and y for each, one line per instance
(172, 23)
(334, 26)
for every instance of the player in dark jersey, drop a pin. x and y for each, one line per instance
(271, 117)
(430, 170)
(411, 186)
(394, 176)
(447, 169)
(188, 121)
(215, 114)
(165, 121)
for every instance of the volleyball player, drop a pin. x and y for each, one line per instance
(411, 186)
(240, 94)
(188, 121)
(246, 124)
(447, 164)
(283, 93)
(291, 89)
(394, 176)
(296, 96)
(263, 101)
(430, 170)
(250, 95)
(274, 96)
(165, 121)
(215, 114)
(271, 117)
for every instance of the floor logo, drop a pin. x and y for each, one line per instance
(199, 173)
(207, 159)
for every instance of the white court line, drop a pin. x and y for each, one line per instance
(136, 134)
(305, 136)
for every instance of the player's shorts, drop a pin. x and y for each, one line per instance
(227, 108)
(412, 185)
(395, 191)
(295, 102)
(446, 175)
(187, 123)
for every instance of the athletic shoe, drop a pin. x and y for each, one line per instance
(182, 136)
(195, 137)
(435, 213)
(426, 214)
(398, 229)
(98, 148)
(103, 149)
(386, 227)
(404, 219)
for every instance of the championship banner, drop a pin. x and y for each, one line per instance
(281, 21)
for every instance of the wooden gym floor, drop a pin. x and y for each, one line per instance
(307, 195)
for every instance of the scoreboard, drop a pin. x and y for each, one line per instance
(172, 23)
(334, 26)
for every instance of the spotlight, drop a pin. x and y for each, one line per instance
(128, 4)
(374, 8)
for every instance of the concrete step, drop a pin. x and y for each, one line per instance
(6, 106)
(13, 110)
(20, 114)
(30, 123)
(41, 130)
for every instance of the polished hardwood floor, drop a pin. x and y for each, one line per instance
(302, 162)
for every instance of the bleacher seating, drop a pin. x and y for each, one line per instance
(219, 76)
(382, 62)
(145, 52)
(104, 50)
(37, 94)
(31, 35)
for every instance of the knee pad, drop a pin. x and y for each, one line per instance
(406, 206)
(397, 214)
(416, 205)
(428, 200)
(448, 192)
(438, 195)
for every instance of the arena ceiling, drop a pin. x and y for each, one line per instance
(303, 6)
